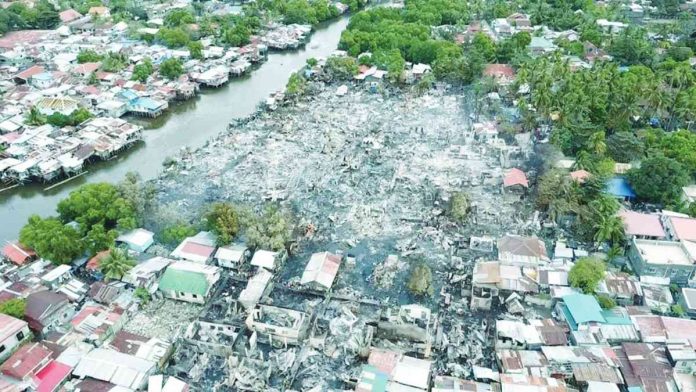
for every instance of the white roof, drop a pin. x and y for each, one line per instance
(115, 367)
(174, 385)
(56, 273)
(147, 268)
(253, 292)
(322, 269)
(230, 253)
(412, 372)
(138, 237)
(265, 259)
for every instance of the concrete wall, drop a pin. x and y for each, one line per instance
(11, 343)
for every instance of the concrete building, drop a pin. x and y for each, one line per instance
(12, 333)
(188, 281)
(673, 260)
(272, 323)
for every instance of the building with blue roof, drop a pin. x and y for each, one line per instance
(580, 311)
(620, 189)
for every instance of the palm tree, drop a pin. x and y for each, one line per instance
(116, 264)
(609, 228)
(34, 117)
(598, 143)
(605, 206)
(583, 161)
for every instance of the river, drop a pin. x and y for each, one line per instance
(190, 124)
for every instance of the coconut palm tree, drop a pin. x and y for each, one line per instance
(116, 264)
(34, 117)
(609, 228)
(598, 143)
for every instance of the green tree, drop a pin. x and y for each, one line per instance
(176, 233)
(459, 207)
(99, 239)
(624, 147)
(51, 239)
(171, 68)
(143, 70)
(14, 307)
(420, 281)
(297, 85)
(143, 295)
(606, 302)
(678, 310)
(586, 274)
(196, 50)
(272, 230)
(116, 264)
(34, 117)
(114, 62)
(609, 228)
(88, 56)
(98, 204)
(173, 38)
(341, 68)
(223, 220)
(659, 180)
(179, 17)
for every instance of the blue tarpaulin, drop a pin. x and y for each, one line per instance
(619, 187)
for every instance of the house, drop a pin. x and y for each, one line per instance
(485, 277)
(656, 295)
(680, 228)
(69, 15)
(515, 177)
(272, 323)
(453, 384)
(101, 11)
(137, 240)
(52, 376)
(667, 259)
(404, 373)
(640, 225)
(47, 310)
(57, 277)
(580, 311)
(521, 362)
(26, 362)
(624, 289)
(321, 270)
(188, 281)
(502, 73)
(151, 349)
(13, 332)
(113, 108)
(257, 286)
(517, 335)
(47, 105)
(645, 367)
(522, 251)
(611, 27)
(25, 75)
(17, 254)
(540, 45)
(266, 259)
(619, 188)
(199, 248)
(688, 301)
(120, 369)
(232, 257)
(42, 81)
(148, 273)
(99, 323)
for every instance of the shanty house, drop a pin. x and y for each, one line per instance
(13, 332)
(187, 281)
(404, 373)
(199, 248)
(47, 310)
(321, 270)
(17, 254)
(26, 362)
(580, 311)
(137, 240)
(257, 286)
(522, 251)
(120, 369)
(99, 323)
(231, 257)
(147, 274)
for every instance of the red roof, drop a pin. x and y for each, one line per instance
(684, 228)
(86, 68)
(9, 40)
(17, 254)
(69, 15)
(29, 72)
(499, 71)
(515, 177)
(198, 249)
(93, 263)
(636, 223)
(51, 376)
(26, 361)
(384, 360)
(580, 175)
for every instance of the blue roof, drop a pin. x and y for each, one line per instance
(43, 76)
(128, 94)
(613, 317)
(618, 186)
(583, 308)
(147, 103)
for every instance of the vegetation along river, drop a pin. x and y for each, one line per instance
(190, 124)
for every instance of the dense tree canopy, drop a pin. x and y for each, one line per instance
(659, 180)
(98, 204)
(51, 239)
(586, 274)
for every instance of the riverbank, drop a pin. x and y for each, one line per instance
(189, 124)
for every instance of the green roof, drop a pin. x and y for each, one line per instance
(583, 308)
(372, 379)
(184, 282)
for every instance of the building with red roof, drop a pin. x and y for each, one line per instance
(26, 362)
(46, 310)
(641, 225)
(52, 376)
(17, 254)
(502, 73)
(25, 75)
(69, 15)
(515, 177)
(93, 263)
(580, 175)
(86, 68)
(680, 228)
